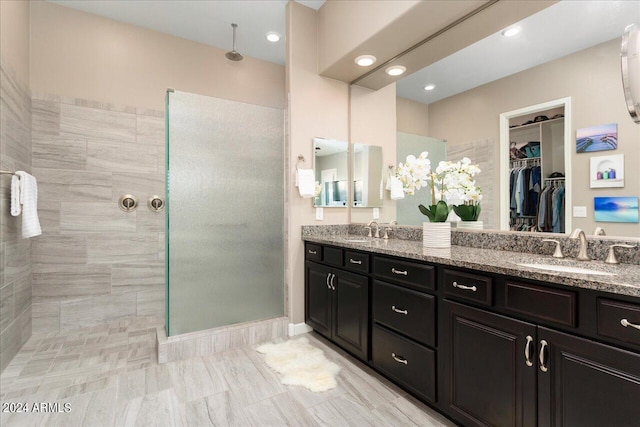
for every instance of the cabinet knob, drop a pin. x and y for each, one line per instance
(353, 261)
(328, 276)
(541, 356)
(626, 323)
(465, 287)
(401, 272)
(397, 310)
(313, 252)
(527, 351)
(399, 359)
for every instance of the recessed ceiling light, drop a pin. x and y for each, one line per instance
(430, 87)
(272, 36)
(396, 70)
(365, 60)
(510, 32)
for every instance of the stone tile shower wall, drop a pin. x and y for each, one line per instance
(94, 262)
(15, 253)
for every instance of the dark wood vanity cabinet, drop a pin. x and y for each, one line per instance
(337, 304)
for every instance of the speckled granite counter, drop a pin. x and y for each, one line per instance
(625, 282)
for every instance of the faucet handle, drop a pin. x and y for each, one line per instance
(558, 252)
(611, 258)
(386, 233)
(369, 228)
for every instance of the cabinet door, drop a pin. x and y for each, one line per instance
(586, 383)
(487, 378)
(351, 317)
(318, 298)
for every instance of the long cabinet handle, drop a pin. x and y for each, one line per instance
(333, 276)
(313, 252)
(543, 346)
(626, 323)
(328, 276)
(397, 310)
(399, 359)
(527, 351)
(464, 287)
(353, 261)
(402, 272)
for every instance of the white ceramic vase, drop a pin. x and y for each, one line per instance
(436, 234)
(469, 225)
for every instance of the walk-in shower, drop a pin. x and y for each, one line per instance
(225, 212)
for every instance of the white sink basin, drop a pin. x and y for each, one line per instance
(357, 241)
(567, 269)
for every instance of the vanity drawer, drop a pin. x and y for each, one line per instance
(356, 261)
(410, 274)
(541, 303)
(408, 312)
(409, 364)
(332, 256)
(313, 252)
(611, 313)
(471, 287)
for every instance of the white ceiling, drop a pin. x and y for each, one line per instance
(204, 21)
(564, 28)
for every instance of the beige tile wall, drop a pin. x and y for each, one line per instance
(15, 253)
(95, 263)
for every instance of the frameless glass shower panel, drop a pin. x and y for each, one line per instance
(225, 213)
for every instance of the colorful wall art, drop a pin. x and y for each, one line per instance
(615, 209)
(606, 171)
(597, 138)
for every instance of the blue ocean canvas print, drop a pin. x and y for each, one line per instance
(597, 138)
(615, 209)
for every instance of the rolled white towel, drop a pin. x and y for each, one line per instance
(29, 199)
(306, 182)
(397, 192)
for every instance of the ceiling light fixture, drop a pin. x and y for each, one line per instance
(430, 87)
(366, 60)
(396, 70)
(510, 32)
(272, 36)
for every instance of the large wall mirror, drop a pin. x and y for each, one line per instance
(564, 51)
(331, 168)
(368, 191)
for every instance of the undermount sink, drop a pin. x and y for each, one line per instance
(357, 241)
(566, 269)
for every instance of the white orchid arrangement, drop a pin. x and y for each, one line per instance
(452, 184)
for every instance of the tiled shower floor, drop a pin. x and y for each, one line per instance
(109, 376)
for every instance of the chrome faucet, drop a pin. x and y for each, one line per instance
(394, 222)
(377, 228)
(582, 253)
(599, 231)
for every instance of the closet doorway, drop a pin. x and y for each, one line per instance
(535, 168)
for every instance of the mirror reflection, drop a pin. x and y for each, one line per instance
(331, 170)
(367, 176)
(564, 60)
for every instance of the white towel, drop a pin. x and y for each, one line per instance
(27, 196)
(16, 203)
(397, 192)
(306, 182)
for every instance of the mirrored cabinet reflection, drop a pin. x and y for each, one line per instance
(368, 190)
(331, 168)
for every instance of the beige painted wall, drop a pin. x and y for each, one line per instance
(592, 79)
(373, 122)
(81, 55)
(318, 106)
(14, 37)
(412, 116)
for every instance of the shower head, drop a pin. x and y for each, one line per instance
(234, 55)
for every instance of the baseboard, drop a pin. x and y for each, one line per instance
(298, 329)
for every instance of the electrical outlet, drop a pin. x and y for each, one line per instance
(376, 213)
(579, 211)
(319, 214)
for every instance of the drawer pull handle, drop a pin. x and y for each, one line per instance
(333, 276)
(397, 310)
(626, 323)
(399, 359)
(394, 271)
(543, 346)
(464, 287)
(527, 351)
(313, 252)
(328, 285)
(353, 261)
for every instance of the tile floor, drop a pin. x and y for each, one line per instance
(109, 376)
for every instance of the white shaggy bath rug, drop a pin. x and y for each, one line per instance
(302, 364)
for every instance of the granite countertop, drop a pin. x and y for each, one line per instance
(626, 280)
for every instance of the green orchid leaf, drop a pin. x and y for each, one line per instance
(441, 211)
(426, 212)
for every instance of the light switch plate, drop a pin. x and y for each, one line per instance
(376, 213)
(579, 211)
(319, 214)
